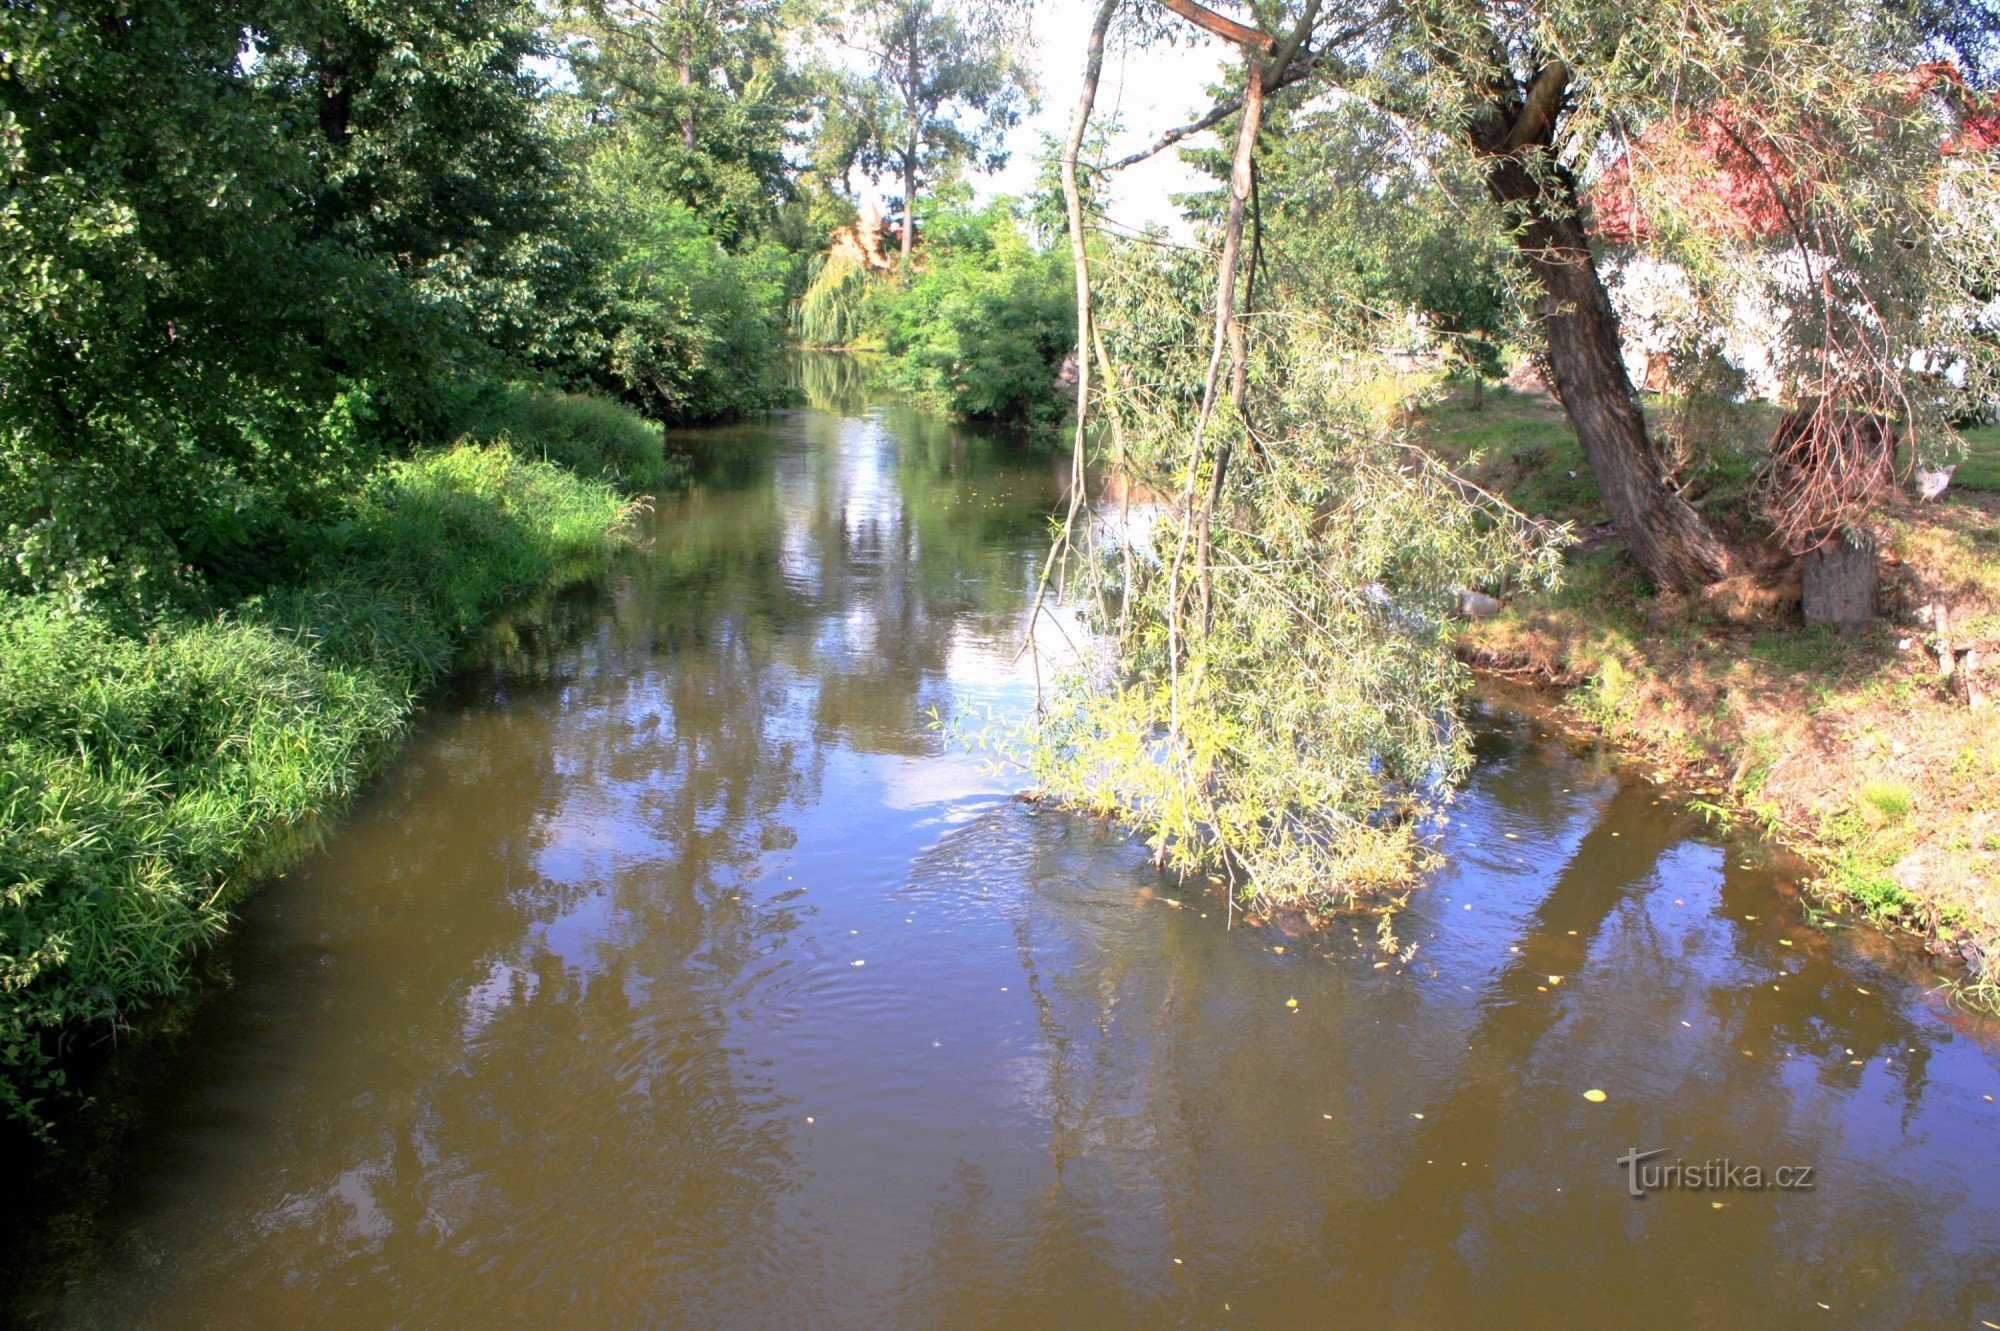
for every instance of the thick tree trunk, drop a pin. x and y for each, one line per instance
(1840, 580)
(1678, 548)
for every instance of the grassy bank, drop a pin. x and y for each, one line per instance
(149, 776)
(1850, 747)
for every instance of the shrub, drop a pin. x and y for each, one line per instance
(591, 436)
(983, 325)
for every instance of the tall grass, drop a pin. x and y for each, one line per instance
(591, 436)
(145, 781)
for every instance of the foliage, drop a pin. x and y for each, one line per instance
(591, 436)
(710, 88)
(1357, 227)
(982, 326)
(955, 85)
(145, 780)
(1337, 548)
(835, 308)
(221, 301)
(692, 330)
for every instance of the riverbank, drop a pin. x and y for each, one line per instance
(151, 775)
(1851, 748)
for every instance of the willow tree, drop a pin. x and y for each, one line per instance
(1278, 694)
(1281, 695)
(955, 86)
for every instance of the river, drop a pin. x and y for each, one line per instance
(683, 973)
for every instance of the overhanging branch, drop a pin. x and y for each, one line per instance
(1226, 28)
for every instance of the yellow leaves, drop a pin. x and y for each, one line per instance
(1595, 1096)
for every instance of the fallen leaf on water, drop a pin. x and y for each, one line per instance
(860, 963)
(1279, 950)
(1416, 1116)
(1595, 1096)
(1555, 979)
(1784, 942)
(1715, 1206)
(1291, 1002)
(1860, 990)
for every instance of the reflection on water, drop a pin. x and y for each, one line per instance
(684, 975)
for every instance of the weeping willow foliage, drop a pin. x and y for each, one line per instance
(1284, 708)
(833, 309)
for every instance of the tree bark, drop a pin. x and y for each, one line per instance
(1678, 548)
(1840, 581)
(909, 205)
(686, 72)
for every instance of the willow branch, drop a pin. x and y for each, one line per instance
(1093, 69)
(1538, 110)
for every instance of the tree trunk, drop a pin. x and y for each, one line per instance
(909, 204)
(1678, 548)
(686, 72)
(1839, 580)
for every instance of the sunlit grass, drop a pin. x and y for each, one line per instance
(146, 780)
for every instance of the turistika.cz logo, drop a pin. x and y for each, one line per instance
(1724, 1175)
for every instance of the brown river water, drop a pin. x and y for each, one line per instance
(682, 973)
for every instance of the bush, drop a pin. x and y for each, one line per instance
(591, 436)
(145, 781)
(982, 327)
(690, 330)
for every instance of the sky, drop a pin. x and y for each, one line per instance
(1144, 92)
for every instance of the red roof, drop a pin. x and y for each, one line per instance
(1718, 171)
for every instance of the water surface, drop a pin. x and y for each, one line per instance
(683, 974)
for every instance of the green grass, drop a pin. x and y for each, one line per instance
(591, 436)
(1979, 469)
(145, 781)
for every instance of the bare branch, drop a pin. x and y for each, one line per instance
(1226, 28)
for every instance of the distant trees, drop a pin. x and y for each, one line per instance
(247, 248)
(955, 86)
(711, 87)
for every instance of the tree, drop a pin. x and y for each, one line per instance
(1355, 223)
(1496, 82)
(712, 83)
(956, 87)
